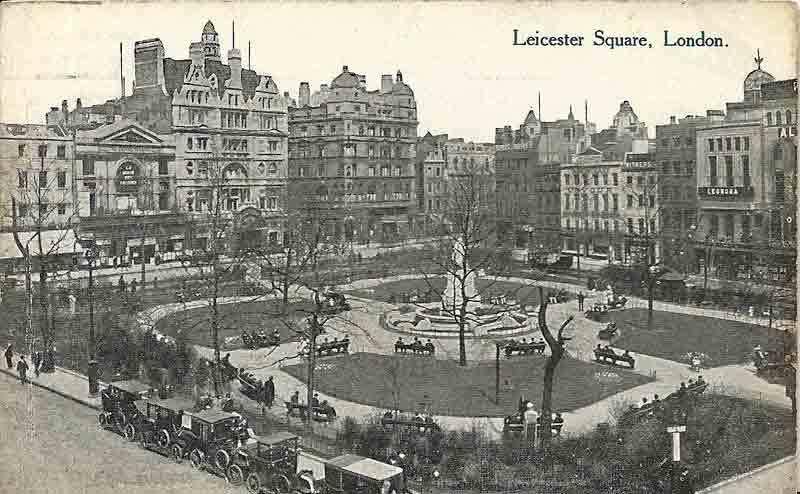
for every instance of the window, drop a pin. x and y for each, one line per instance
(189, 168)
(189, 143)
(88, 166)
(712, 171)
(616, 178)
(711, 145)
(371, 171)
(641, 226)
(729, 225)
(640, 180)
(596, 179)
(788, 117)
(61, 178)
(61, 151)
(272, 203)
(22, 179)
(652, 201)
(746, 143)
(43, 179)
(640, 200)
(42, 150)
(778, 118)
(596, 202)
(630, 225)
(630, 201)
(333, 129)
(737, 141)
(62, 209)
(163, 167)
(676, 141)
(629, 179)
(615, 202)
(719, 143)
(21, 150)
(729, 171)
(727, 144)
(714, 226)
(566, 179)
(653, 226)
(566, 202)
(746, 171)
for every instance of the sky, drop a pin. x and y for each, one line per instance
(459, 58)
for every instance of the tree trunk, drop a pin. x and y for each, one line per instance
(215, 333)
(547, 396)
(462, 329)
(312, 363)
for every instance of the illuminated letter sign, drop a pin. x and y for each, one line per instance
(128, 177)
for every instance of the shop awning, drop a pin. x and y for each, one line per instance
(54, 242)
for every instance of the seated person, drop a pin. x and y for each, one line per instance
(644, 403)
(700, 380)
(315, 401)
(627, 354)
(599, 348)
(325, 341)
(558, 420)
(399, 341)
(346, 340)
(295, 399)
(326, 408)
(276, 335)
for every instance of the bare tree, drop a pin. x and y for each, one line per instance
(41, 207)
(465, 248)
(556, 343)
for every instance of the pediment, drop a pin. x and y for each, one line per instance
(132, 134)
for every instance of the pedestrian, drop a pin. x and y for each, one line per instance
(10, 356)
(36, 360)
(22, 368)
(133, 286)
(581, 297)
(155, 283)
(269, 392)
(121, 284)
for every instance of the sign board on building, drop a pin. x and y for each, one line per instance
(128, 177)
(725, 192)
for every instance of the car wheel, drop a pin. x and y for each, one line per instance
(254, 483)
(222, 459)
(235, 475)
(163, 438)
(196, 458)
(176, 453)
(281, 484)
(129, 432)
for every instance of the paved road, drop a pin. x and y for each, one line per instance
(778, 478)
(52, 445)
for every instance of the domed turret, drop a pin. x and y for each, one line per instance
(346, 79)
(757, 77)
(209, 28)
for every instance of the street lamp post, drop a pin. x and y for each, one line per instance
(92, 370)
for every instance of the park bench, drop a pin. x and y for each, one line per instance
(525, 348)
(618, 303)
(609, 356)
(259, 340)
(320, 414)
(416, 347)
(515, 424)
(609, 332)
(424, 425)
(331, 347)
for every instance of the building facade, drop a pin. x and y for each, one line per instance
(746, 183)
(431, 158)
(197, 137)
(352, 152)
(528, 178)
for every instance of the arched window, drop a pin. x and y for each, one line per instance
(273, 169)
(777, 155)
(788, 117)
(769, 118)
(189, 168)
(778, 118)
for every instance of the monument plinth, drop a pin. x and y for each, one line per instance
(459, 286)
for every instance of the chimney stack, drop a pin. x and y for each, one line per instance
(65, 110)
(196, 54)
(386, 83)
(672, 120)
(235, 62)
(399, 76)
(78, 104)
(304, 95)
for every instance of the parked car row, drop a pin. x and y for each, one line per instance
(220, 442)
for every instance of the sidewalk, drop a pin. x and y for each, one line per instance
(63, 382)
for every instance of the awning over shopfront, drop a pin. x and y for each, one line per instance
(54, 243)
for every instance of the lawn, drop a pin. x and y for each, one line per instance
(673, 335)
(452, 390)
(529, 294)
(234, 318)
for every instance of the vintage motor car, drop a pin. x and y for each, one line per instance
(210, 438)
(160, 422)
(353, 474)
(266, 462)
(119, 409)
